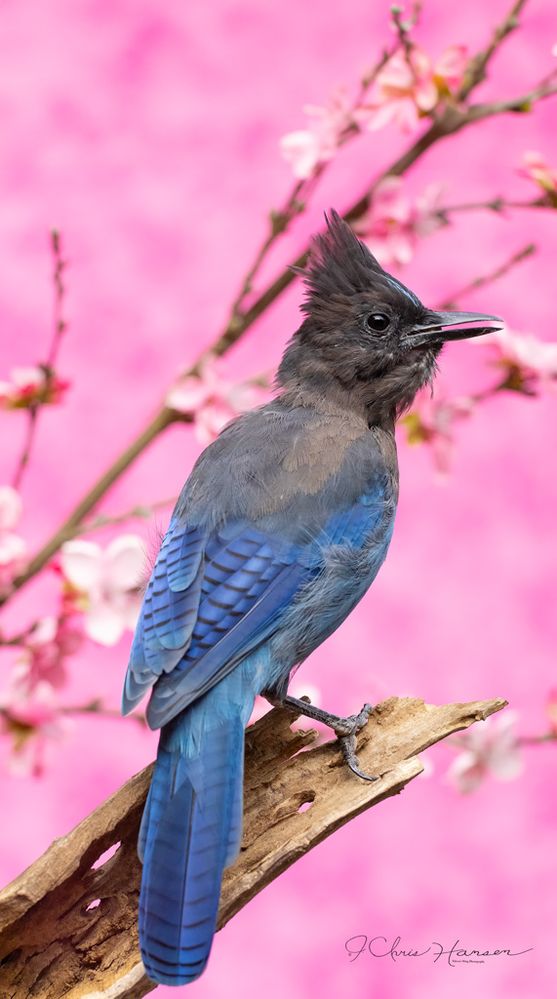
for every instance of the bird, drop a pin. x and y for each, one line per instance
(280, 529)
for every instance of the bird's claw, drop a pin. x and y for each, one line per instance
(345, 729)
(346, 735)
(353, 724)
(348, 746)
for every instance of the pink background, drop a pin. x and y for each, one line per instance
(147, 132)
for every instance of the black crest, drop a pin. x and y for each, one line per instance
(340, 266)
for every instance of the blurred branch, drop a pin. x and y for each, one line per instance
(476, 72)
(59, 327)
(518, 105)
(537, 740)
(498, 205)
(450, 120)
(403, 28)
(141, 511)
(97, 707)
(68, 924)
(489, 278)
(93, 708)
(21, 638)
(460, 742)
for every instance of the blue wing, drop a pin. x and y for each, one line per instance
(210, 600)
(214, 597)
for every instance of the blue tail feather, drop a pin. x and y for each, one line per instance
(190, 831)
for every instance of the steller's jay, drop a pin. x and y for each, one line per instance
(280, 529)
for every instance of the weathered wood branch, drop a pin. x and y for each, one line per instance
(68, 923)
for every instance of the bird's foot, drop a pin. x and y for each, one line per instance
(345, 729)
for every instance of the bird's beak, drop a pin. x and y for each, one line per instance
(433, 332)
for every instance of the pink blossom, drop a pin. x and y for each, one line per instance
(409, 87)
(394, 224)
(490, 747)
(212, 400)
(432, 421)
(450, 68)
(529, 363)
(536, 168)
(109, 582)
(49, 644)
(13, 548)
(307, 148)
(32, 720)
(32, 386)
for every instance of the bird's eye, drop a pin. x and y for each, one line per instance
(377, 322)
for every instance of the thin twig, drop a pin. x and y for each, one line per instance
(403, 29)
(498, 205)
(94, 708)
(461, 741)
(97, 707)
(21, 639)
(490, 277)
(59, 324)
(476, 71)
(141, 511)
(59, 327)
(30, 428)
(537, 740)
(522, 104)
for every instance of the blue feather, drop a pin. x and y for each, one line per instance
(191, 833)
(216, 658)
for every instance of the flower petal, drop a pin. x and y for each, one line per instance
(12, 549)
(451, 66)
(10, 508)
(81, 563)
(301, 150)
(211, 419)
(187, 395)
(124, 562)
(466, 772)
(26, 378)
(103, 623)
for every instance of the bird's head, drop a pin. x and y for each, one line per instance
(365, 334)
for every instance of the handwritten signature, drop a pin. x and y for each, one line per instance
(456, 954)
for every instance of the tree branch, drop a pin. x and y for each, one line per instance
(68, 923)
